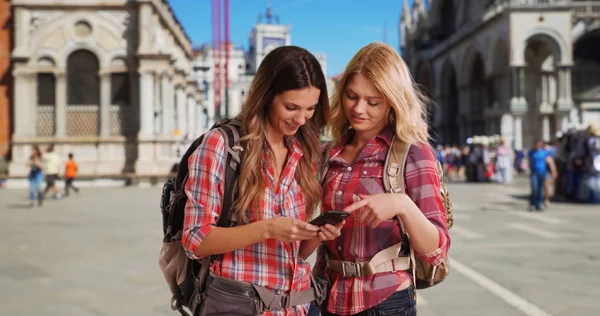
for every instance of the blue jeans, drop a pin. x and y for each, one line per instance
(537, 189)
(401, 303)
(35, 185)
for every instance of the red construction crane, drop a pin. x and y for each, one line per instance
(220, 48)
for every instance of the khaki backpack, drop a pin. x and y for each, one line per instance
(424, 274)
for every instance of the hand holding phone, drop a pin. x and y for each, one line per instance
(330, 217)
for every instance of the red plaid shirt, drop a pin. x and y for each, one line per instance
(270, 263)
(358, 242)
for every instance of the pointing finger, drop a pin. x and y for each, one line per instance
(356, 205)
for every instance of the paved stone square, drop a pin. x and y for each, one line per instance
(96, 254)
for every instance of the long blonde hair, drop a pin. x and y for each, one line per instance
(389, 74)
(284, 68)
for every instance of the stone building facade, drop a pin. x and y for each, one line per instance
(108, 80)
(524, 69)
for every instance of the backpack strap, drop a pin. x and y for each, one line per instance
(231, 136)
(395, 162)
(393, 181)
(231, 131)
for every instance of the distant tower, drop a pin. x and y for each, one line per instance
(265, 37)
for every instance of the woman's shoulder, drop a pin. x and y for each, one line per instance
(211, 146)
(213, 137)
(421, 151)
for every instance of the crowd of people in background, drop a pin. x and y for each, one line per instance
(483, 159)
(571, 162)
(46, 167)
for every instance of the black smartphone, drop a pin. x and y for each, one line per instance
(330, 217)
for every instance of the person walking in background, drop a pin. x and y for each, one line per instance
(551, 149)
(539, 162)
(36, 177)
(504, 169)
(70, 174)
(51, 166)
(464, 161)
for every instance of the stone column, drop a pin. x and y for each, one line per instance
(168, 104)
(545, 93)
(181, 110)
(518, 129)
(564, 104)
(32, 83)
(191, 115)
(146, 104)
(157, 105)
(60, 116)
(518, 101)
(134, 110)
(105, 103)
(546, 128)
(24, 116)
(565, 100)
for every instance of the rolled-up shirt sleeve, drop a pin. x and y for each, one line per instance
(423, 187)
(204, 189)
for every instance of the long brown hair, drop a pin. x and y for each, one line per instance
(284, 68)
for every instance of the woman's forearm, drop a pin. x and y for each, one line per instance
(424, 236)
(227, 239)
(307, 247)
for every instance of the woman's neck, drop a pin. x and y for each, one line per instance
(361, 138)
(274, 139)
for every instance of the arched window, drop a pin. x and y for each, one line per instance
(46, 97)
(83, 94)
(83, 81)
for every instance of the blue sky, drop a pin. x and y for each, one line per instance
(338, 28)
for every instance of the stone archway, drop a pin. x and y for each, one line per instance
(425, 84)
(449, 101)
(586, 76)
(478, 101)
(542, 88)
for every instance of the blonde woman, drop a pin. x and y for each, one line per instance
(286, 107)
(376, 100)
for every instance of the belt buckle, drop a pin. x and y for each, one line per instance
(354, 266)
(280, 301)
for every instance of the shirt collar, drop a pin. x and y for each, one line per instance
(386, 135)
(294, 145)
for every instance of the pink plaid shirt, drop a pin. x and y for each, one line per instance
(270, 263)
(358, 242)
